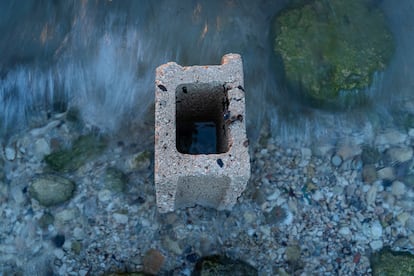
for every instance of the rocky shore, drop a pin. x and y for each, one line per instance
(74, 202)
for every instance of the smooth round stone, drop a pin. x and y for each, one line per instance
(336, 160)
(398, 188)
(51, 190)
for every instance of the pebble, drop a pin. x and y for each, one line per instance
(345, 231)
(371, 194)
(369, 173)
(41, 148)
(10, 153)
(376, 230)
(398, 188)
(120, 218)
(336, 160)
(391, 137)
(386, 173)
(403, 217)
(51, 190)
(376, 245)
(104, 195)
(153, 261)
(400, 154)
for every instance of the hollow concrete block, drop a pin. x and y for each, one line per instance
(201, 147)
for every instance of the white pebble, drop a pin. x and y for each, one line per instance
(10, 153)
(376, 245)
(376, 230)
(317, 195)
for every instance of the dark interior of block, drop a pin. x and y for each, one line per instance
(200, 118)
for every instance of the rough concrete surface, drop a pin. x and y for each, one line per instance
(191, 170)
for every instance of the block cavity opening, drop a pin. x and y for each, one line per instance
(201, 110)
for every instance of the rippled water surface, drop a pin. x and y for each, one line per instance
(101, 56)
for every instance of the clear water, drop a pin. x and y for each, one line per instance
(101, 57)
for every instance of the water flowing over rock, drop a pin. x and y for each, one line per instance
(330, 48)
(51, 190)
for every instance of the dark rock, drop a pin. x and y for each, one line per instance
(370, 155)
(58, 240)
(217, 265)
(388, 262)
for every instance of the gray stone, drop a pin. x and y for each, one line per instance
(391, 137)
(400, 154)
(369, 173)
(120, 218)
(10, 153)
(376, 230)
(398, 188)
(51, 190)
(376, 245)
(386, 173)
(336, 160)
(189, 170)
(41, 148)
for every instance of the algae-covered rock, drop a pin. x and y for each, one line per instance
(221, 266)
(387, 262)
(332, 48)
(115, 180)
(83, 148)
(51, 190)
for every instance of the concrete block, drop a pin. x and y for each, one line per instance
(201, 147)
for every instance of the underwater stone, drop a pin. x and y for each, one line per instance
(388, 262)
(153, 261)
(217, 265)
(83, 149)
(115, 180)
(333, 47)
(51, 190)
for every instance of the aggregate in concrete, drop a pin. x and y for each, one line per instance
(201, 147)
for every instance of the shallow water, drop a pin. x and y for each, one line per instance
(101, 57)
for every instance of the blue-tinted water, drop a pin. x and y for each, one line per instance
(100, 56)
